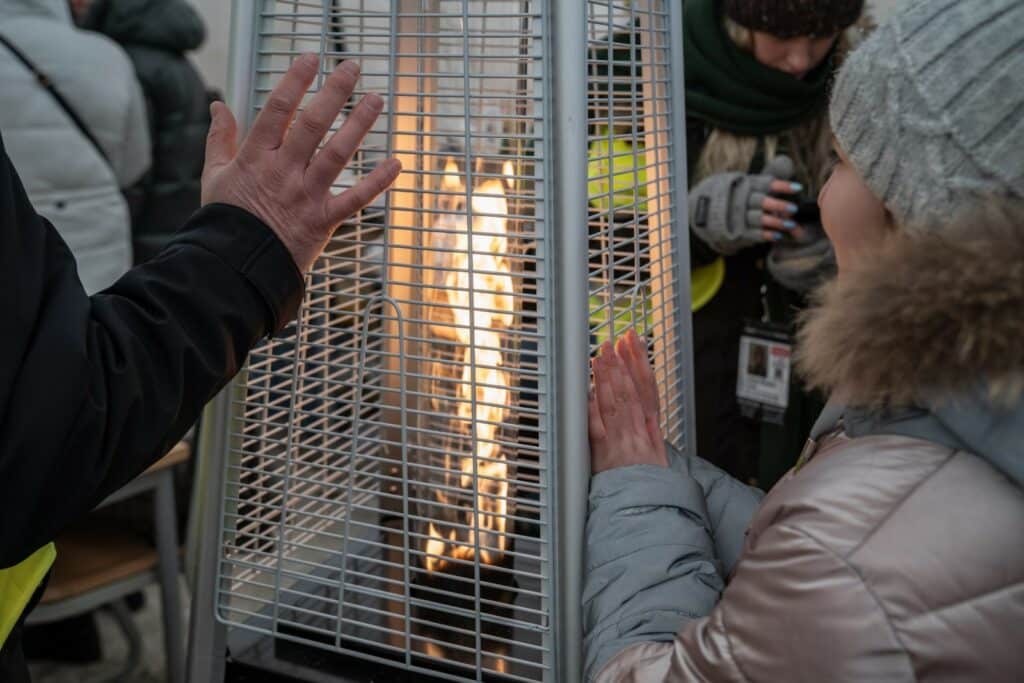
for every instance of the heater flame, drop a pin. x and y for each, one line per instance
(479, 293)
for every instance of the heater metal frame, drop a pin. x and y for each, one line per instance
(567, 332)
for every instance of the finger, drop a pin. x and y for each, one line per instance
(785, 187)
(595, 424)
(603, 387)
(781, 167)
(776, 223)
(644, 377)
(778, 206)
(599, 456)
(657, 438)
(624, 352)
(753, 235)
(634, 354)
(270, 126)
(335, 155)
(316, 118)
(627, 399)
(348, 202)
(222, 138)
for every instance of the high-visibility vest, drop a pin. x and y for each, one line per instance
(614, 182)
(705, 282)
(19, 583)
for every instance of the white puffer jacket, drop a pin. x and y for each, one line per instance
(65, 177)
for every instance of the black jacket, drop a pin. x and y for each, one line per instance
(94, 390)
(156, 34)
(749, 450)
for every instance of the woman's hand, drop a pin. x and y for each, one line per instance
(732, 211)
(632, 349)
(278, 174)
(620, 432)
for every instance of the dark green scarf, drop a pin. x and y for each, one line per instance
(729, 89)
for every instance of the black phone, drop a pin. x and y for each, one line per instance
(807, 213)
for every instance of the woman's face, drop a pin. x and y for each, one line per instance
(855, 219)
(795, 56)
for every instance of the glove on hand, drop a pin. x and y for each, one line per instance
(727, 209)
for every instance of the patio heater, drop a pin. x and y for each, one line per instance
(400, 478)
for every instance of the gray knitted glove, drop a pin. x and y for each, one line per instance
(726, 211)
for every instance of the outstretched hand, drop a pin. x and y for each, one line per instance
(624, 422)
(277, 174)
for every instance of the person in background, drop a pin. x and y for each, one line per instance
(892, 551)
(757, 75)
(157, 34)
(93, 390)
(74, 121)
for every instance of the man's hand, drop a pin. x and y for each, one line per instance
(277, 173)
(620, 433)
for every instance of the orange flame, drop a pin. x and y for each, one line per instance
(478, 322)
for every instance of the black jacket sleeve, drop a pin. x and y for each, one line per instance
(94, 390)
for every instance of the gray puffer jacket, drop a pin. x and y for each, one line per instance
(895, 550)
(67, 180)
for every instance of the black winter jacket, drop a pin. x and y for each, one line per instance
(156, 34)
(93, 390)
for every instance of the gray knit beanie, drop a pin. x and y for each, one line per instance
(930, 108)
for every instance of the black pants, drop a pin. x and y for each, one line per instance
(724, 436)
(753, 452)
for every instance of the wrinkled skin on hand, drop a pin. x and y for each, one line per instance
(277, 172)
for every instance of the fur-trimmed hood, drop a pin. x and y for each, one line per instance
(933, 322)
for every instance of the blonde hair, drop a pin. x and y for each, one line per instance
(809, 144)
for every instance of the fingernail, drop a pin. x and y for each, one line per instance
(377, 102)
(350, 66)
(310, 59)
(788, 225)
(792, 208)
(796, 187)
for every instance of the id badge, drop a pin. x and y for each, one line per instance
(765, 363)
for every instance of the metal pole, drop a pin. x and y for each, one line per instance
(167, 568)
(207, 638)
(568, 232)
(680, 213)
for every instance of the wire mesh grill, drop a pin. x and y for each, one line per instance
(632, 256)
(388, 488)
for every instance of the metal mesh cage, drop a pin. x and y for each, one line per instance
(388, 490)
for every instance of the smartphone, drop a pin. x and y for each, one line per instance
(807, 213)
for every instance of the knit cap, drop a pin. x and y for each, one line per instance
(930, 108)
(791, 18)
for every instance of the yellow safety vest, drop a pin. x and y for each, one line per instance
(622, 186)
(705, 283)
(619, 185)
(18, 583)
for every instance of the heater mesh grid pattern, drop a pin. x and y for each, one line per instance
(632, 252)
(388, 487)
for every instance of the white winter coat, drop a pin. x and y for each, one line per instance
(65, 177)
